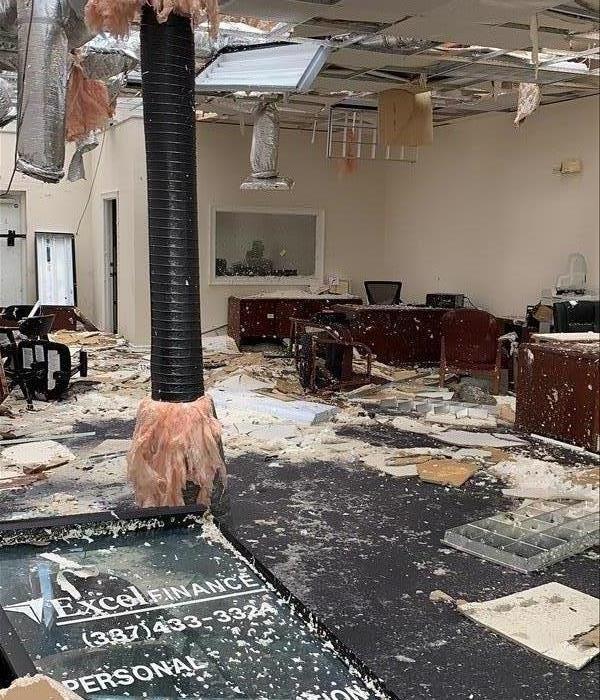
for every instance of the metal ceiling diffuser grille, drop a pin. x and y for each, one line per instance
(353, 135)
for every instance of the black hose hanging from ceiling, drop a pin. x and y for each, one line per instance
(167, 64)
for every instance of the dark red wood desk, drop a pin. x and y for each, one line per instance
(399, 335)
(558, 392)
(255, 318)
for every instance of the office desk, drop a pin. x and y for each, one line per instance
(263, 317)
(399, 335)
(558, 392)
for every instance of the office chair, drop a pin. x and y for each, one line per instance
(385, 293)
(576, 316)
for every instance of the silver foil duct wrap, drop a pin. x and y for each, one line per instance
(105, 57)
(264, 154)
(8, 15)
(76, 167)
(43, 57)
(7, 109)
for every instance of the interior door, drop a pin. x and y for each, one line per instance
(12, 254)
(111, 320)
(55, 261)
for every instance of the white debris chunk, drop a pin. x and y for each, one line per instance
(34, 453)
(547, 619)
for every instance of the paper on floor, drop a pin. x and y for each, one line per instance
(547, 619)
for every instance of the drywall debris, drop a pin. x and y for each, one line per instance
(406, 470)
(587, 477)
(544, 494)
(588, 639)
(547, 619)
(275, 432)
(472, 453)
(17, 482)
(442, 394)
(87, 339)
(302, 412)
(110, 447)
(219, 344)
(37, 688)
(37, 453)
(538, 478)
(441, 597)
(463, 418)
(241, 383)
(467, 439)
(506, 414)
(412, 425)
(446, 472)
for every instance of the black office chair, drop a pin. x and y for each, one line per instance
(384, 293)
(576, 316)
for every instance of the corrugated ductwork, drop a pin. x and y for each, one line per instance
(264, 155)
(167, 60)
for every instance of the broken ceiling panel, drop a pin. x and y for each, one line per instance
(461, 46)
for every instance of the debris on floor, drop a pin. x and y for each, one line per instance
(546, 480)
(532, 537)
(37, 688)
(552, 620)
(446, 472)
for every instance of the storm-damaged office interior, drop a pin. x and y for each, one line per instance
(299, 349)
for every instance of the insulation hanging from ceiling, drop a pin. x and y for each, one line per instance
(116, 16)
(529, 98)
(88, 105)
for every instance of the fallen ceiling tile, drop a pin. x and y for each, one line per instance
(548, 619)
(446, 472)
(464, 438)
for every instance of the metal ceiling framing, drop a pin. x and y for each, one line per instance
(421, 45)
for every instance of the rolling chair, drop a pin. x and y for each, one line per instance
(576, 316)
(385, 293)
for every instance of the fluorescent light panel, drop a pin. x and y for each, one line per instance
(268, 68)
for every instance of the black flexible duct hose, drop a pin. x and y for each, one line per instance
(167, 63)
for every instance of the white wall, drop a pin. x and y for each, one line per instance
(483, 213)
(353, 205)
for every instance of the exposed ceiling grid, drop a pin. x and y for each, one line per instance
(472, 54)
